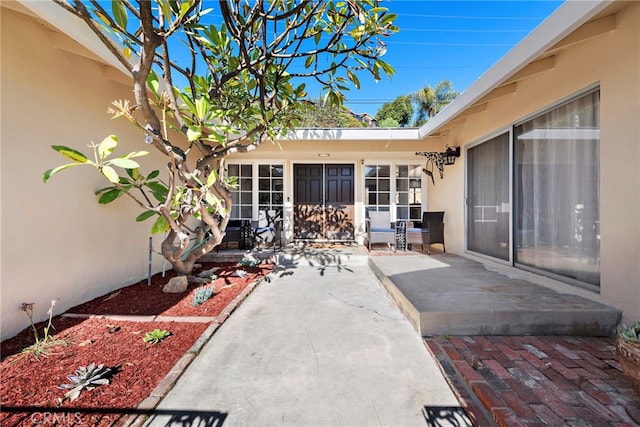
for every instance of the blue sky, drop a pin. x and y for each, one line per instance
(447, 40)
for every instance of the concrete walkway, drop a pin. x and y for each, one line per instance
(320, 344)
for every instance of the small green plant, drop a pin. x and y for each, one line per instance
(203, 294)
(249, 262)
(156, 336)
(631, 333)
(86, 377)
(41, 345)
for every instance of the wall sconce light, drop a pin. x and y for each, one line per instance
(449, 156)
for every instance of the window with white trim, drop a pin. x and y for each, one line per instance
(377, 187)
(409, 192)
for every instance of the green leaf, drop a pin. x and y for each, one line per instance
(124, 163)
(211, 199)
(212, 178)
(110, 174)
(153, 174)
(133, 173)
(107, 146)
(145, 215)
(71, 154)
(153, 83)
(157, 187)
(166, 10)
(194, 132)
(49, 173)
(109, 196)
(135, 154)
(201, 108)
(309, 61)
(352, 76)
(119, 13)
(160, 226)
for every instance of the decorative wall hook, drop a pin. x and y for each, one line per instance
(439, 159)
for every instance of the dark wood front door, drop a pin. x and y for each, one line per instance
(323, 201)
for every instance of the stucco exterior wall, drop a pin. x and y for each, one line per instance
(57, 241)
(611, 60)
(355, 152)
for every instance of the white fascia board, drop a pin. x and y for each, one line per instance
(566, 19)
(73, 27)
(370, 134)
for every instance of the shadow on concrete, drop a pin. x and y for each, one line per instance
(45, 415)
(445, 416)
(322, 257)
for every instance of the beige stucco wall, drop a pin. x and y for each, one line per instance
(613, 61)
(57, 242)
(356, 152)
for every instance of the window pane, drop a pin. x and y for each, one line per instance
(245, 211)
(277, 185)
(403, 171)
(264, 184)
(403, 213)
(402, 185)
(557, 190)
(383, 185)
(245, 170)
(245, 184)
(264, 198)
(277, 171)
(384, 171)
(233, 170)
(384, 199)
(264, 171)
(245, 198)
(402, 198)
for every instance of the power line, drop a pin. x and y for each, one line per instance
(433, 30)
(453, 44)
(512, 18)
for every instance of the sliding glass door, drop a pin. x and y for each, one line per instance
(488, 198)
(533, 194)
(557, 191)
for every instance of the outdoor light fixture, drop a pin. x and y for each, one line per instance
(450, 155)
(323, 155)
(434, 158)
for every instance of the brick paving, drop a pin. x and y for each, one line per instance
(537, 380)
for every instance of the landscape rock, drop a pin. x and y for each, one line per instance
(176, 285)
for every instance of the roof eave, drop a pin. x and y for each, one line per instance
(75, 28)
(566, 19)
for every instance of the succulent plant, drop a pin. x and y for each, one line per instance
(156, 336)
(241, 273)
(631, 333)
(203, 294)
(86, 377)
(249, 262)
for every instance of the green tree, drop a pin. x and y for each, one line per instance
(243, 83)
(430, 100)
(322, 114)
(400, 110)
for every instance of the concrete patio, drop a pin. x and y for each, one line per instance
(444, 294)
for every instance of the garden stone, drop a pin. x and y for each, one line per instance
(176, 285)
(208, 273)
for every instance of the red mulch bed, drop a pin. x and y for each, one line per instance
(28, 387)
